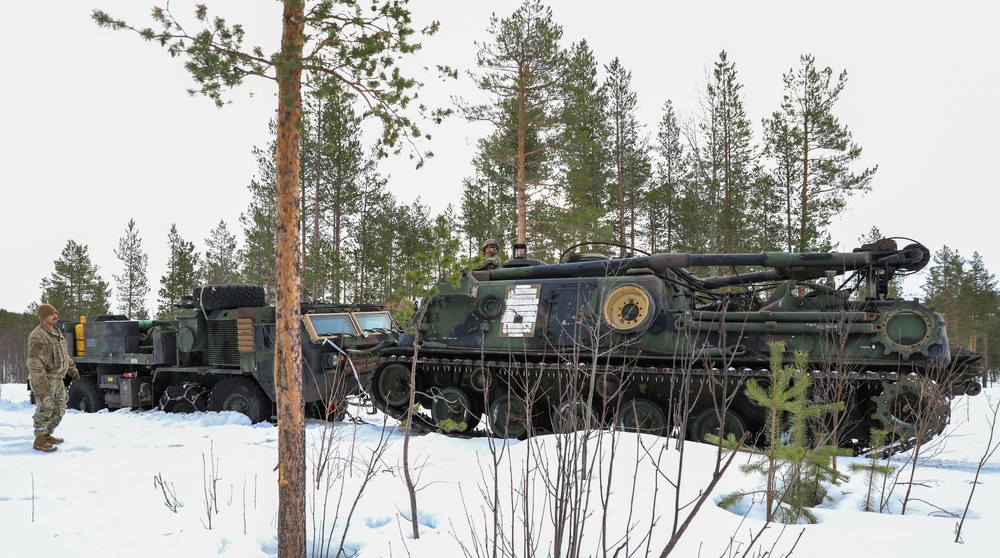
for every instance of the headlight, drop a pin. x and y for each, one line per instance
(331, 360)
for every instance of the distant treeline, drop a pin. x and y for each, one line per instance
(14, 330)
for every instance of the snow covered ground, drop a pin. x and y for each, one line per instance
(149, 483)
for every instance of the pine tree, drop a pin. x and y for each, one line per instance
(873, 470)
(943, 290)
(727, 157)
(444, 244)
(824, 152)
(259, 253)
(982, 298)
(181, 277)
(220, 266)
(795, 469)
(14, 329)
(74, 287)
(583, 154)
(332, 164)
(354, 45)
(521, 68)
(412, 226)
(132, 284)
(337, 176)
(629, 152)
(664, 223)
(489, 202)
(780, 147)
(765, 231)
(371, 250)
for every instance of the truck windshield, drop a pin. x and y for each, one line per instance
(332, 324)
(373, 321)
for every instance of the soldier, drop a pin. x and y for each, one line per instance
(490, 249)
(48, 364)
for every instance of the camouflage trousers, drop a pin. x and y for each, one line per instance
(50, 403)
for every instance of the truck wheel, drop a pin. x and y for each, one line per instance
(243, 396)
(85, 396)
(184, 398)
(215, 297)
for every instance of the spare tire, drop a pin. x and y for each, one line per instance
(215, 297)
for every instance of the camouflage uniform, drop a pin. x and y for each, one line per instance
(490, 263)
(48, 363)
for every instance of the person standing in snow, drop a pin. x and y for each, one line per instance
(48, 364)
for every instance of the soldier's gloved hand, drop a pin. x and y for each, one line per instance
(74, 375)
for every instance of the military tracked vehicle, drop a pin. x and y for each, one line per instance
(643, 343)
(218, 354)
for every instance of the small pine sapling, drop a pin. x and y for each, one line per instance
(794, 468)
(874, 470)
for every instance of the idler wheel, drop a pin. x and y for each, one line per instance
(573, 415)
(644, 416)
(393, 385)
(707, 422)
(453, 405)
(904, 408)
(508, 417)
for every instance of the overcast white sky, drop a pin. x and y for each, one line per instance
(97, 127)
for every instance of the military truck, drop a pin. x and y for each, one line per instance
(218, 355)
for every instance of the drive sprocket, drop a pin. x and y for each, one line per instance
(907, 407)
(907, 328)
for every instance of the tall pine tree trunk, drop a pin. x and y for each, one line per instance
(315, 262)
(522, 172)
(288, 369)
(805, 182)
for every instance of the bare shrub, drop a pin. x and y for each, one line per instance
(210, 482)
(342, 469)
(988, 451)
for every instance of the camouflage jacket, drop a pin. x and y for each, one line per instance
(490, 263)
(47, 353)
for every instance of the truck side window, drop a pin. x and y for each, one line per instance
(267, 337)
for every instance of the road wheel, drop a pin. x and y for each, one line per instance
(243, 396)
(84, 395)
(573, 415)
(454, 410)
(508, 417)
(644, 416)
(392, 386)
(707, 422)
